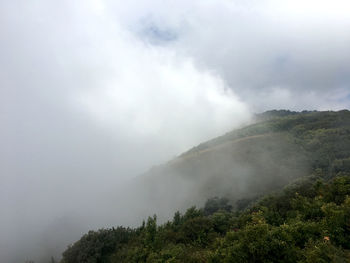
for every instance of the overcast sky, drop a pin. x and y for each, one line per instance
(94, 92)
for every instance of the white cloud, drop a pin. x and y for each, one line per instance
(85, 104)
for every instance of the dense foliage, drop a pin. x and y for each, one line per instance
(307, 221)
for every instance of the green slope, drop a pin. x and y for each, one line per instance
(299, 161)
(254, 160)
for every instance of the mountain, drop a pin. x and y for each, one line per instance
(274, 191)
(278, 148)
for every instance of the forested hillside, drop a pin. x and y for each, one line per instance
(275, 191)
(246, 163)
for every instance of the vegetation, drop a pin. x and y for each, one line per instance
(306, 221)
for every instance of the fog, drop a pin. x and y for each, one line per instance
(94, 93)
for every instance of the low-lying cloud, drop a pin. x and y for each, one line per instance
(85, 105)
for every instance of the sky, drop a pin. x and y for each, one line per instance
(95, 92)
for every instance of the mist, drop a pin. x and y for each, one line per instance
(95, 93)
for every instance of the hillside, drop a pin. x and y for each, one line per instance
(283, 186)
(249, 162)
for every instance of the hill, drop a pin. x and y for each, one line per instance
(249, 162)
(283, 184)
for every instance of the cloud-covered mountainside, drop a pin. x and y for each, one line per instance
(238, 167)
(95, 92)
(238, 178)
